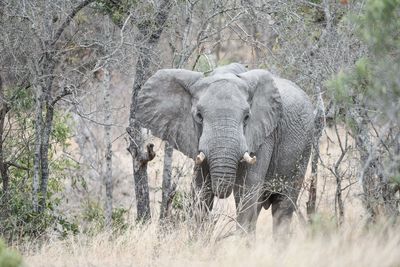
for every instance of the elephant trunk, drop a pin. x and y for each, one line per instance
(223, 161)
(222, 181)
(223, 145)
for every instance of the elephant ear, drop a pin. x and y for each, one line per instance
(164, 107)
(265, 107)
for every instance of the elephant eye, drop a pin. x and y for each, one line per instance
(246, 119)
(199, 117)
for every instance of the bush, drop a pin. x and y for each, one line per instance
(18, 220)
(9, 258)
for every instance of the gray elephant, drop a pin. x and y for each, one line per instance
(249, 132)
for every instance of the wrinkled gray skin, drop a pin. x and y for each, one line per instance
(224, 115)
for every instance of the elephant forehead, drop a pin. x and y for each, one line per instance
(224, 81)
(224, 98)
(224, 91)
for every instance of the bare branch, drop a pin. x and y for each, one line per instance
(68, 20)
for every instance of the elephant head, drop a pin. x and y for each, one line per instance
(217, 120)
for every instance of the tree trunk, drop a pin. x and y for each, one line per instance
(46, 128)
(369, 162)
(43, 129)
(167, 190)
(312, 197)
(139, 157)
(38, 144)
(44, 100)
(339, 199)
(44, 155)
(108, 155)
(149, 35)
(4, 108)
(319, 122)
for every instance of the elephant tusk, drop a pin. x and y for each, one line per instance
(249, 159)
(200, 158)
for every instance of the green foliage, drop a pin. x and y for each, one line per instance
(116, 10)
(179, 200)
(118, 218)
(396, 179)
(181, 206)
(356, 82)
(322, 224)
(373, 79)
(19, 220)
(372, 84)
(203, 64)
(61, 129)
(93, 214)
(21, 99)
(9, 258)
(379, 25)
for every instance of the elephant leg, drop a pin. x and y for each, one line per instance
(282, 213)
(249, 189)
(247, 207)
(283, 205)
(203, 197)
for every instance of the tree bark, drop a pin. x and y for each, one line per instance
(319, 122)
(44, 155)
(339, 199)
(372, 188)
(339, 205)
(108, 155)
(4, 108)
(167, 190)
(312, 197)
(149, 35)
(37, 153)
(45, 103)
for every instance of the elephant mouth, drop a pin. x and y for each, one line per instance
(222, 187)
(223, 175)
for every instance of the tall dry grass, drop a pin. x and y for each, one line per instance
(319, 245)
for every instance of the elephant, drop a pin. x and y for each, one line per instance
(248, 131)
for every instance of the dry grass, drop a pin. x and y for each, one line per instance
(321, 245)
